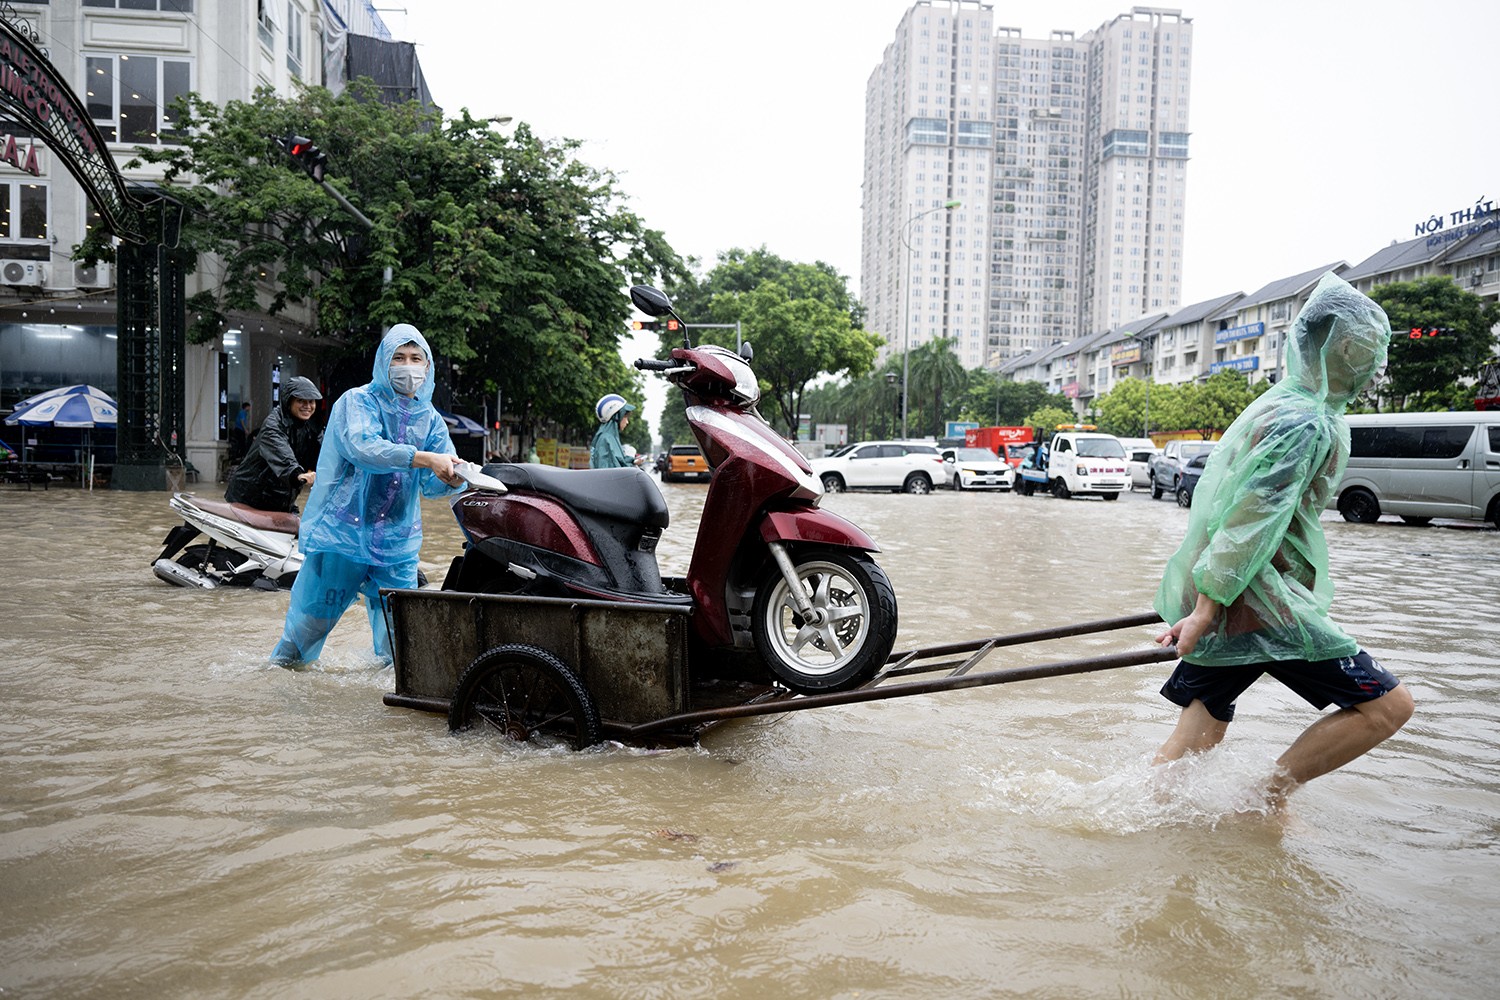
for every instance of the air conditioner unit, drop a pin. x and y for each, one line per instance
(91, 275)
(22, 272)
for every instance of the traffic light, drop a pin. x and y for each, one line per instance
(672, 324)
(648, 324)
(1419, 332)
(307, 156)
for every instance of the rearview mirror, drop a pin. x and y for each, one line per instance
(649, 300)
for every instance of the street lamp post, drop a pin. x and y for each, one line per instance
(906, 328)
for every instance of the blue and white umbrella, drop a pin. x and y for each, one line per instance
(81, 406)
(460, 425)
(73, 406)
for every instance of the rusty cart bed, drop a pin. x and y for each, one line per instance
(626, 665)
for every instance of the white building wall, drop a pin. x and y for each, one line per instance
(1132, 265)
(113, 56)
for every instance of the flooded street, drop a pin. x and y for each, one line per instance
(180, 819)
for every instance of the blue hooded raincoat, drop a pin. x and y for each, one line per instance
(1254, 540)
(363, 525)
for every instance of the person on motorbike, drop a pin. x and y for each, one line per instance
(283, 455)
(606, 452)
(386, 446)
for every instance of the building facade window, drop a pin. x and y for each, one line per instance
(295, 21)
(164, 6)
(130, 96)
(23, 213)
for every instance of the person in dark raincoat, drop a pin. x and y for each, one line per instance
(1248, 592)
(385, 448)
(283, 456)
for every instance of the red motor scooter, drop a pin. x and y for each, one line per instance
(770, 572)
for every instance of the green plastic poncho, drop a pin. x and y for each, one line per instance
(605, 451)
(1254, 543)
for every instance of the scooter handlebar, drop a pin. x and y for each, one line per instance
(653, 365)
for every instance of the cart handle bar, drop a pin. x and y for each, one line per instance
(949, 682)
(1036, 635)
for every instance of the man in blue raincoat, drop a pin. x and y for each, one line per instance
(384, 448)
(1248, 592)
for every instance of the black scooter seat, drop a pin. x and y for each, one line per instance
(619, 494)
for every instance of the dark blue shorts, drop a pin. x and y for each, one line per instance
(1344, 681)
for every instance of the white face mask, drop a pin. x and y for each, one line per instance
(407, 379)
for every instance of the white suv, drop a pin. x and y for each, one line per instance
(881, 465)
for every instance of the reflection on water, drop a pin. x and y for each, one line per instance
(179, 819)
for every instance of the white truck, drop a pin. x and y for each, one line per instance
(1077, 461)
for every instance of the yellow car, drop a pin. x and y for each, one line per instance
(685, 461)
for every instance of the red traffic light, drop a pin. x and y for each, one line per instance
(1418, 332)
(306, 155)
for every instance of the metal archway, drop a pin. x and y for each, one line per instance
(150, 317)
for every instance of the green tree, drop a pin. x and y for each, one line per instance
(1435, 364)
(935, 369)
(674, 425)
(1047, 418)
(507, 251)
(1211, 407)
(1122, 410)
(993, 401)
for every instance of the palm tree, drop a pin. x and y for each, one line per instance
(934, 367)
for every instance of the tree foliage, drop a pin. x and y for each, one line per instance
(1123, 410)
(1434, 364)
(934, 370)
(504, 249)
(992, 401)
(1048, 417)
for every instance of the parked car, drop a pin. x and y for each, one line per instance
(1187, 481)
(1422, 465)
(1138, 462)
(977, 469)
(685, 461)
(1166, 468)
(881, 465)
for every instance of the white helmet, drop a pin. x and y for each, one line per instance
(609, 405)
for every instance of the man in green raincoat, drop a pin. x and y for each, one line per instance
(1248, 591)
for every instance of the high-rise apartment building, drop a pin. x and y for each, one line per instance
(1066, 156)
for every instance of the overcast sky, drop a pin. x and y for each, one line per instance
(1322, 130)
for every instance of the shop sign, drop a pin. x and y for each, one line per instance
(1249, 364)
(1239, 333)
(12, 154)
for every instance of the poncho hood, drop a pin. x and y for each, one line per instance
(1337, 343)
(398, 336)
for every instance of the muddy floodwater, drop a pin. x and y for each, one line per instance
(180, 819)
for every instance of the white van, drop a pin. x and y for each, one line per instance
(1421, 466)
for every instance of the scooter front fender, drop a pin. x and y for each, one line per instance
(817, 526)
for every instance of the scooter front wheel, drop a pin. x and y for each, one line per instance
(849, 632)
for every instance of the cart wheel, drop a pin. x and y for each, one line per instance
(522, 691)
(855, 630)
